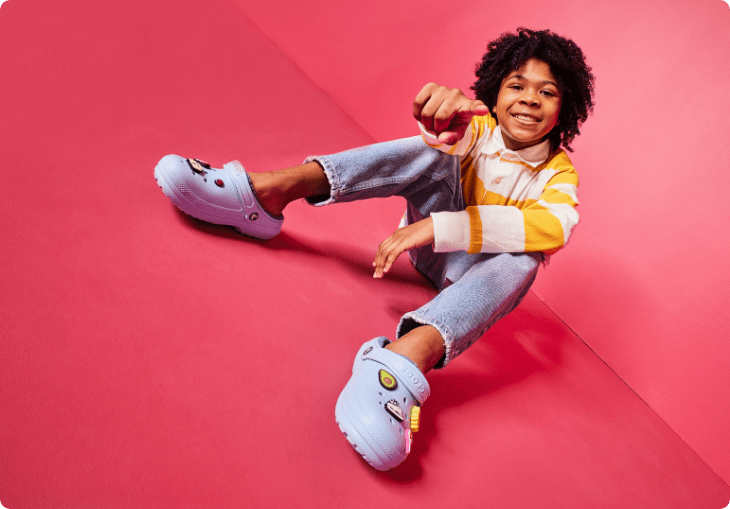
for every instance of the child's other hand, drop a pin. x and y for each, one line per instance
(409, 237)
(446, 112)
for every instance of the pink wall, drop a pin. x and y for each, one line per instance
(645, 280)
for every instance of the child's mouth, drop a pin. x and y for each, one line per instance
(526, 118)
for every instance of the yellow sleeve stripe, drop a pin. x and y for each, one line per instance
(475, 225)
(491, 198)
(568, 189)
(552, 195)
(534, 169)
(471, 185)
(564, 177)
(543, 231)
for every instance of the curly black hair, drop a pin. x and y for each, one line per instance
(566, 62)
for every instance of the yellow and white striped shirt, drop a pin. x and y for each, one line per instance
(517, 201)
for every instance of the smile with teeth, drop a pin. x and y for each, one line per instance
(526, 118)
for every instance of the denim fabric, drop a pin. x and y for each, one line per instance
(475, 290)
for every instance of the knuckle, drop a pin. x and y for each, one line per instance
(443, 115)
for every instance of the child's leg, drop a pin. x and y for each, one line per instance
(424, 346)
(492, 286)
(276, 189)
(427, 178)
(404, 167)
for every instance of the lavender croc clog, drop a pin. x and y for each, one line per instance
(379, 408)
(219, 196)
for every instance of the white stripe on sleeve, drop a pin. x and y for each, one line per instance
(503, 229)
(451, 231)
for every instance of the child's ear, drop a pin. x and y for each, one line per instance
(494, 114)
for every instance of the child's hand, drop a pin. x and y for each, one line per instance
(409, 237)
(446, 112)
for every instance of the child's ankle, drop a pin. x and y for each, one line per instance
(268, 196)
(423, 346)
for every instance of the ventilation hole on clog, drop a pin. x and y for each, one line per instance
(404, 400)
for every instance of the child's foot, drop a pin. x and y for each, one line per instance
(379, 407)
(219, 196)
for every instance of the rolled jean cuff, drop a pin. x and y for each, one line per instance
(414, 319)
(332, 177)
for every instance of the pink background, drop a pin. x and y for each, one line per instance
(645, 282)
(151, 360)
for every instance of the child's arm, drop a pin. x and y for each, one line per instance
(543, 222)
(408, 237)
(545, 225)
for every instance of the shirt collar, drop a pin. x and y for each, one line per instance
(534, 155)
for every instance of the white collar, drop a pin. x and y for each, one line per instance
(534, 155)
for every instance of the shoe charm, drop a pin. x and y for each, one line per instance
(387, 380)
(415, 418)
(393, 408)
(198, 166)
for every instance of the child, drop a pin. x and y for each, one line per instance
(489, 194)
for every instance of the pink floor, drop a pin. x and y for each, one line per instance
(149, 360)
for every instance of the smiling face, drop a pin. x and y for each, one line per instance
(528, 104)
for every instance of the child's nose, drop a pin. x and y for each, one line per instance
(530, 97)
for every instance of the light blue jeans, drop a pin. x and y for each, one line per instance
(475, 290)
